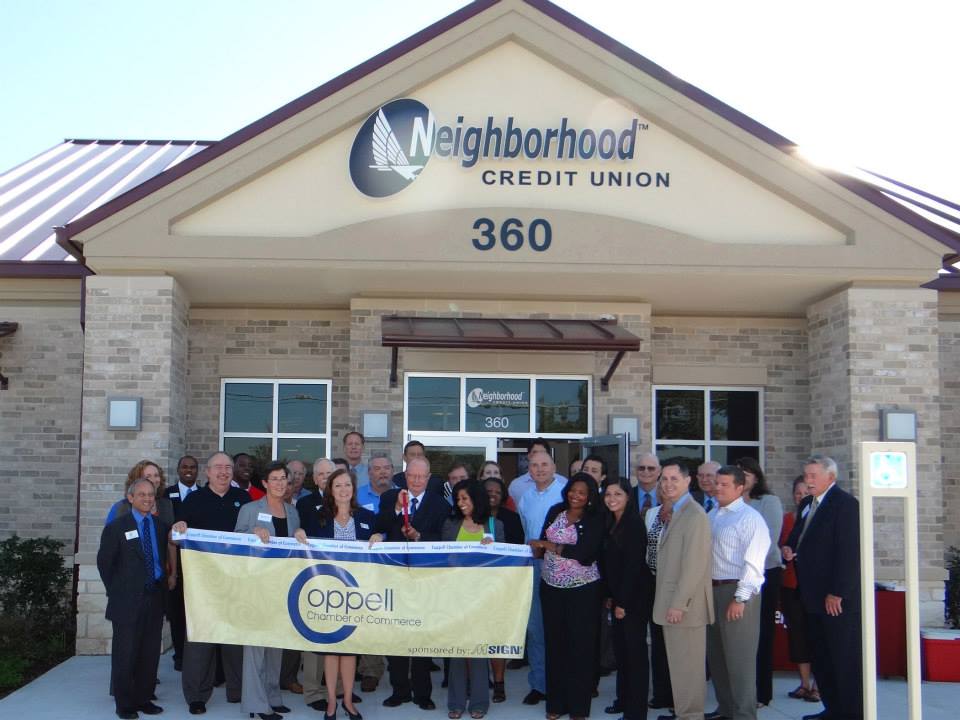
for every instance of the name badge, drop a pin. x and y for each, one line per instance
(132, 534)
(364, 526)
(174, 495)
(264, 517)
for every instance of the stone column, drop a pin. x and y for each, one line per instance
(135, 345)
(873, 349)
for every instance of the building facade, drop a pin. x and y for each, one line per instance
(507, 226)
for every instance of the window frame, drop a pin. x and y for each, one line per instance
(509, 432)
(275, 436)
(708, 443)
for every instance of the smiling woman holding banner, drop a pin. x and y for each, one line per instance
(570, 596)
(269, 515)
(470, 521)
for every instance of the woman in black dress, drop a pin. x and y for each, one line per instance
(622, 565)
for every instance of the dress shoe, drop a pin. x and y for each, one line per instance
(150, 709)
(671, 716)
(661, 704)
(434, 667)
(426, 704)
(318, 705)
(353, 716)
(178, 664)
(268, 716)
(368, 683)
(127, 715)
(533, 697)
(822, 715)
(715, 715)
(197, 708)
(516, 664)
(613, 709)
(233, 700)
(499, 692)
(395, 701)
(353, 696)
(294, 687)
(280, 709)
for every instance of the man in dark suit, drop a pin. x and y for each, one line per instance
(130, 563)
(186, 483)
(825, 548)
(427, 511)
(415, 449)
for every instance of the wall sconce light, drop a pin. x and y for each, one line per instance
(898, 426)
(375, 425)
(628, 425)
(123, 413)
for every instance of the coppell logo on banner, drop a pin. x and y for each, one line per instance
(394, 144)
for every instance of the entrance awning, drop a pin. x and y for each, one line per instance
(507, 334)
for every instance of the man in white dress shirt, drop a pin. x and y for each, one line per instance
(740, 543)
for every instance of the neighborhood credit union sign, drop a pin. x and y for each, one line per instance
(393, 146)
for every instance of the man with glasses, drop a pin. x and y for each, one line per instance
(213, 507)
(707, 480)
(648, 473)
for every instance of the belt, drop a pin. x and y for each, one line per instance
(725, 582)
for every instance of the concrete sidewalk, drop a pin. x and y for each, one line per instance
(77, 689)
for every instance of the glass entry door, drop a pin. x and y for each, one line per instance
(615, 449)
(444, 451)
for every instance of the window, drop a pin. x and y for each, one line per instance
(502, 405)
(275, 419)
(702, 423)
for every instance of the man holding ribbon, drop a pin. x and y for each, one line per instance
(411, 515)
(129, 561)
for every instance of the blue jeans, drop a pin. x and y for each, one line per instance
(536, 652)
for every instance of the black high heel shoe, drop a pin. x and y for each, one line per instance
(330, 717)
(352, 716)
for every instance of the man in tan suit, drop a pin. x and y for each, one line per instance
(684, 596)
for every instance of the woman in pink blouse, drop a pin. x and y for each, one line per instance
(570, 596)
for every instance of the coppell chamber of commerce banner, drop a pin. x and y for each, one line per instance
(432, 598)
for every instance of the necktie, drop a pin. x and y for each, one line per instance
(147, 543)
(647, 501)
(413, 505)
(808, 520)
(708, 504)
(665, 515)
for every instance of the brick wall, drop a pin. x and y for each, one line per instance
(135, 345)
(40, 422)
(950, 425)
(775, 348)
(262, 337)
(881, 349)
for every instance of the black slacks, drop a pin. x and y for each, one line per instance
(837, 663)
(177, 615)
(135, 654)
(633, 667)
(410, 676)
(571, 629)
(769, 598)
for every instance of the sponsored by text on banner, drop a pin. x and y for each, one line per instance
(439, 599)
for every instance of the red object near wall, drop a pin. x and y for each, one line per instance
(891, 635)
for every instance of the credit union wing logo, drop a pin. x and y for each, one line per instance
(475, 398)
(392, 147)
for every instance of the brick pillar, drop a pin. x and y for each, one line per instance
(872, 349)
(135, 345)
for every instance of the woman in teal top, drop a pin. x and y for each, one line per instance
(470, 521)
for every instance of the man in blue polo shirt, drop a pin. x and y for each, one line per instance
(545, 491)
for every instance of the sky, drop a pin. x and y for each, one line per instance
(854, 83)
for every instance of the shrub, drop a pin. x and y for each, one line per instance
(37, 625)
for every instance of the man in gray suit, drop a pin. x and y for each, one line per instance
(684, 597)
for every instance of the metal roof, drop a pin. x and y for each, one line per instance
(68, 181)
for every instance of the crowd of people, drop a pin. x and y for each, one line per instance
(671, 582)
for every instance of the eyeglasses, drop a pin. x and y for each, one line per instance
(647, 468)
